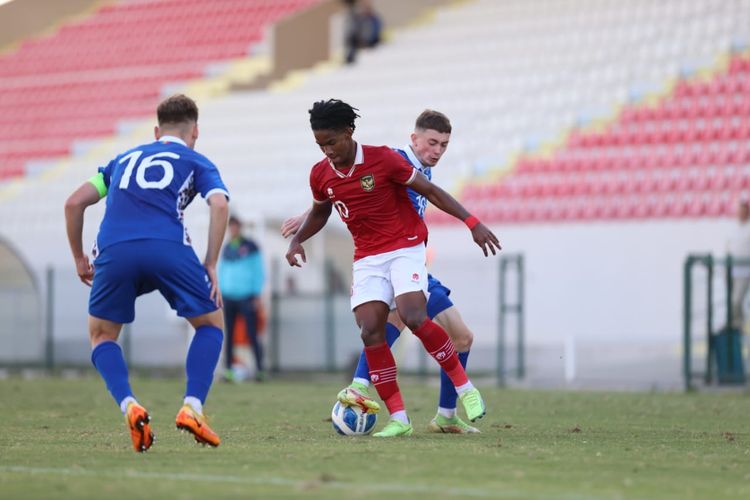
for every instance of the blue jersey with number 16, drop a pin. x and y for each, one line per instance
(149, 187)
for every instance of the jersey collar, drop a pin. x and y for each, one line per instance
(359, 158)
(413, 158)
(171, 138)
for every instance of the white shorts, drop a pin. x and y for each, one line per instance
(385, 276)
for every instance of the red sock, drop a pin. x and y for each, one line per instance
(383, 375)
(440, 347)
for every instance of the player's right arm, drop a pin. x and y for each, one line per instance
(314, 222)
(89, 193)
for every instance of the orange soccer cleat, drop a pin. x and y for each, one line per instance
(138, 421)
(196, 424)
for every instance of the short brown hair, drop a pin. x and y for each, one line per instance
(433, 120)
(177, 109)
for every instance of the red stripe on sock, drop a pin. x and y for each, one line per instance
(441, 348)
(383, 374)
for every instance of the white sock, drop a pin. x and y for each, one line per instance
(194, 403)
(463, 388)
(400, 416)
(446, 412)
(125, 402)
(362, 381)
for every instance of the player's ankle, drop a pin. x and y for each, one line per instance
(400, 416)
(194, 403)
(126, 402)
(361, 384)
(464, 388)
(446, 412)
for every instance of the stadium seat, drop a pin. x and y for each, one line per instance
(79, 81)
(697, 133)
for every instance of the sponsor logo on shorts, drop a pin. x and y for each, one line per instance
(415, 277)
(367, 182)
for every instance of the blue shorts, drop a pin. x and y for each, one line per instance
(125, 270)
(438, 301)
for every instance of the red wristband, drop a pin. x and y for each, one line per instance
(471, 222)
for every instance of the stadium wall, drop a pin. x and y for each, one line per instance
(397, 13)
(612, 291)
(21, 19)
(315, 34)
(20, 309)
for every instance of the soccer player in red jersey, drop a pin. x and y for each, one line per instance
(367, 186)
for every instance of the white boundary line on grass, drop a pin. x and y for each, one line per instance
(269, 480)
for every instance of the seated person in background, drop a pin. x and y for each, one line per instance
(362, 28)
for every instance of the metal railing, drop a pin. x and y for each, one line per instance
(509, 307)
(710, 264)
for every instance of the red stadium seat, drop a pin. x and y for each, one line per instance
(78, 82)
(678, 158)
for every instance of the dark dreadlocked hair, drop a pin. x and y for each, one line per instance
(332, 114)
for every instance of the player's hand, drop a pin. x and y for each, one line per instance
(292, 225)
(485, 239)
(85, 270)
(291, 254)
(215, 294)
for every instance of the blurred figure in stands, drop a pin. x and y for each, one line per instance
(371, 25)
(739, 247)
(363, 27)
(241, 276)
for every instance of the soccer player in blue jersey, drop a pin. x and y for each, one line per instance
(143, 246)
(428, 143)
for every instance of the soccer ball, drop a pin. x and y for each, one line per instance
(351, 420)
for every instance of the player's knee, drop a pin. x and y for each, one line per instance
(97, 335)
(414, 319)
(215, 319)
(372, 336)
(463, 340)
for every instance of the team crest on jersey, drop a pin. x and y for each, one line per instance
(415, 277)
(367, 182)
(330, 192)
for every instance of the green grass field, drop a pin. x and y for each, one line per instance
(66, 438)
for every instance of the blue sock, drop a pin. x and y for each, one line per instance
(448, 394)
(108, 359)
(202, 357)
(363, 371)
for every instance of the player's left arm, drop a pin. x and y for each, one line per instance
(217, 226)
(211, 187)
(86, 195)
(481, 234)
(292, 224)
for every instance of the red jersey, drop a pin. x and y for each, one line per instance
(372, 200)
